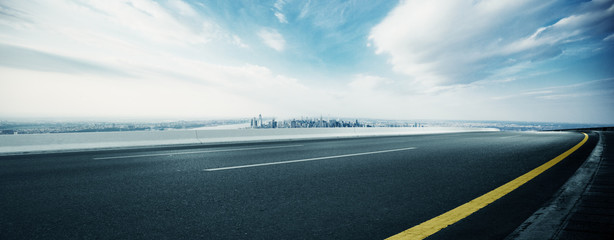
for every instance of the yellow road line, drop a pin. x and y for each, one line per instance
(432, 226)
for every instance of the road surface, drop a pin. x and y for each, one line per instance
(366, 188)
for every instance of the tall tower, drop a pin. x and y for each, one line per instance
(260, 118)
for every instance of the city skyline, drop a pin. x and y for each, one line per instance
(43, 127)
(540, 61)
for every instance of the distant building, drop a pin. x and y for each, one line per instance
(8, 131)
(260, 120)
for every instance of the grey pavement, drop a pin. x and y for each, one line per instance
(584, 206)
(593, 215)
(369, 188)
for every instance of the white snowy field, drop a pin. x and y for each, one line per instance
(62, 142)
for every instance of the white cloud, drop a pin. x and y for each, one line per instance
(131, 33)
(150, 19)
(586, 89)
(568, 29)
(158, 52)
(273, 39)
(279, 7)
(281, 17)
(362, 82)
(182, 8)
(537, 92)
(143, 21)
(173, 60)
(438, 41)
(279, 4)
(305, 9)
(237, 41)
(444, 42)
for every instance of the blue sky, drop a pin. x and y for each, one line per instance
(515, 60)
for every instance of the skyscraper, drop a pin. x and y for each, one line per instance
(260, 119)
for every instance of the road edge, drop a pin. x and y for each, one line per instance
(224, 142)
(546, 222)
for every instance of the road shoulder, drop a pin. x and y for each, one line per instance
(571, 214)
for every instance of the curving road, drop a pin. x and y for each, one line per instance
(367, 188)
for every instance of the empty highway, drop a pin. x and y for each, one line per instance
(364, 188)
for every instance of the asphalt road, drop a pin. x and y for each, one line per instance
(367, 188)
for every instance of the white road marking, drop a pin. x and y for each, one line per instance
(206, 151)
(306, 160)
(512, 136)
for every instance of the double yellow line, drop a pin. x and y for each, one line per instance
(432, 226)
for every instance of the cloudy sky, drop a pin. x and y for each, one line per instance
(512, 60)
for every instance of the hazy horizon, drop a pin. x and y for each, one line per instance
(244, 120)
(506, 60)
